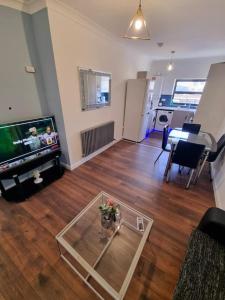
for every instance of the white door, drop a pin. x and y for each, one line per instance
(135, 95)
(151, 123)
(157, 90)
(147, 101)
(143, 126)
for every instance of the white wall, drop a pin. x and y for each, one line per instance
(218, 171)
(77, 43)
(211, 110)
(211, 114)
(183, 68)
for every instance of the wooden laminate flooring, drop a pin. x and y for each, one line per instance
(154, 139)
(30, 267)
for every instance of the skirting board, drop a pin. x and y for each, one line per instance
(216, 194)
(85, 159)
(217, 197)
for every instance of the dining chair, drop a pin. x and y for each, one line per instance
(188, 155)
(165, 146)
(191, 127)
(213, 155)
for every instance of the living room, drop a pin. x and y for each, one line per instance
(74, 165)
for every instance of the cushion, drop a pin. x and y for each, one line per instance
(203, 273)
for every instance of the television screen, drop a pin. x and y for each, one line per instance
(26, 140)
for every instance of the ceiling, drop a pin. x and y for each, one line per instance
(191, 28)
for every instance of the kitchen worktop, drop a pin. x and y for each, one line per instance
(175, 108)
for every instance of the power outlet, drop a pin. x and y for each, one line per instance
(30, 69)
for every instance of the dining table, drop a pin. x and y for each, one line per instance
(202, 138)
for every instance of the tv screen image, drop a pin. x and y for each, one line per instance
(25, 140)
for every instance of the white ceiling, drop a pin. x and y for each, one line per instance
(191, 28)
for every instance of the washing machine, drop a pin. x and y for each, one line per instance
(163, 118)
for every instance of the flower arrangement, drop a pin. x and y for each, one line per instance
(109, 210)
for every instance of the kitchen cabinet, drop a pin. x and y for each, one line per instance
(180, 117)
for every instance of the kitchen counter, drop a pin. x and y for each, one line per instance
(173, 116)
(175, 108)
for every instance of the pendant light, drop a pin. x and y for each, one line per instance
(138, 28)
(170, 65)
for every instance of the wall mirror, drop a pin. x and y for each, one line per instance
(95, 89)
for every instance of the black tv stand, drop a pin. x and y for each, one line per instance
(24, 189)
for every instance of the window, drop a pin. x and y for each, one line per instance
(188, 92)
(95, 89)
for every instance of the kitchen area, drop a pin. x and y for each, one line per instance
(148, 110)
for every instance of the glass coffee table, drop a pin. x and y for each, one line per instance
(105, 255)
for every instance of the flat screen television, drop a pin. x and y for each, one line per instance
(26, 140)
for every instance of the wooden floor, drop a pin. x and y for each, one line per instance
(154, 139)
(30, 267)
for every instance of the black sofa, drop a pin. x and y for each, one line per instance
(203, 272)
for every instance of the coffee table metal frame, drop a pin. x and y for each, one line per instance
(91, 269)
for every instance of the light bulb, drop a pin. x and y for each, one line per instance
(170, 67)
(138, 24)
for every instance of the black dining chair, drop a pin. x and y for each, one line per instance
(165, 146)
(213, 155)
(191, 127)
(187, 155)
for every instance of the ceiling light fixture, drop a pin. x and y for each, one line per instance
(137, 29)
(170, 65)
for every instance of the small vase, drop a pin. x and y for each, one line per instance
(106, 221)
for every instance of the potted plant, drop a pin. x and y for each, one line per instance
(109, 211)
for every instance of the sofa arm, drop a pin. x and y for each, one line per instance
(213, 224)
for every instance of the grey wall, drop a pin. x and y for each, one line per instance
(26, 40)
(46, 61)
(21, 91)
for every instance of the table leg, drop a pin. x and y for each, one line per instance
(169, 159)
(201, 168)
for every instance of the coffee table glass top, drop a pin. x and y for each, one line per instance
(109, 252)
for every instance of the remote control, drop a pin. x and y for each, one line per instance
(140, 224)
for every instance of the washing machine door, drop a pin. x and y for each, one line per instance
(163, 119)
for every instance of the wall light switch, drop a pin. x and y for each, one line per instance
(30, 69)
